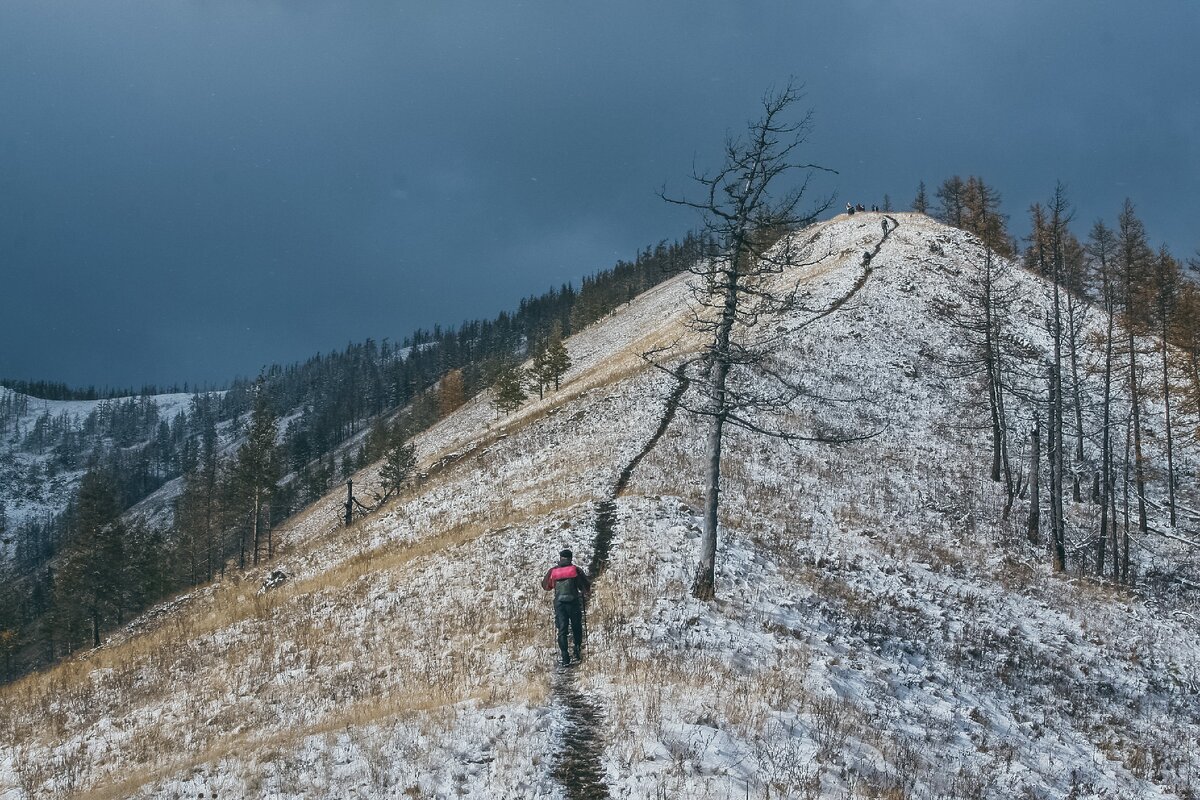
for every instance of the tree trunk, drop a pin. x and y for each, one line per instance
(1106, 449)
(1194, 360)
(993, 388)
(242, 545)
(1121, 566)
(1054, 451)
(1054, 448)
(704, 585)
(257, 515)
(209, 490)
(1033, 528)
(1077, 402)
(1170, 440)
(1138, 458)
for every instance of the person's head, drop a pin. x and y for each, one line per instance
(565, 555)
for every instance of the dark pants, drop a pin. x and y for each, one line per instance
(568, 613)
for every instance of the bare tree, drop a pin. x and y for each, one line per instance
(1133, 265)
(1166, 276)
(1046, 255)
(748, 221)
(1101, 250)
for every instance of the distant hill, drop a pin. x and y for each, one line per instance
(46, 445)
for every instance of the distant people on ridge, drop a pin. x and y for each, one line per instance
(849, 208)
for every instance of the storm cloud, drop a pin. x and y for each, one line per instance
(192, 189)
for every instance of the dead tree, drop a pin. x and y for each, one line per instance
(749, 219)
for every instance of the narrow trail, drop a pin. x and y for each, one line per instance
(867, 257)
(577, 764)
(606, 510)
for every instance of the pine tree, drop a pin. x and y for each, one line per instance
(1060, 217)
(508, 393)
(10, 624)
(256, 473)
(920, 203)
(92, 576)
(555, 359)
(400, 462)
(982, 322)
(539, 370)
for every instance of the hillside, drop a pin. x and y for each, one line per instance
(45, 446)
(880, 630)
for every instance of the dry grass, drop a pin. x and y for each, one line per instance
(406, 705)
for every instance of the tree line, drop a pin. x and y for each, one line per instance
(56, 390)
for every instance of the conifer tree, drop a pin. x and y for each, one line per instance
(920, 203)
(10, 625)
(539, 370)
(1186, 335)
(980, 214)
(508, 392)
(1059, 217)
(91, 577)
(257, 471)
(551, 361)
(952, 198)
(400, 461)
(1075, 279)
(451, 394)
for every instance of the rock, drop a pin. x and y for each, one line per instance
(276, 579)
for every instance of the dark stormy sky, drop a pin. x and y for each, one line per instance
(191, 189)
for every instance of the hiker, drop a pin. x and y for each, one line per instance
(571, 588)
(849, 208)
(861, 207)
(883, 222)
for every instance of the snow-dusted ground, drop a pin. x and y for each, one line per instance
(879, 630)
(47, 494)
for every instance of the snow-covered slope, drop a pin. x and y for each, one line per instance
(45, 446)
(879, 630)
